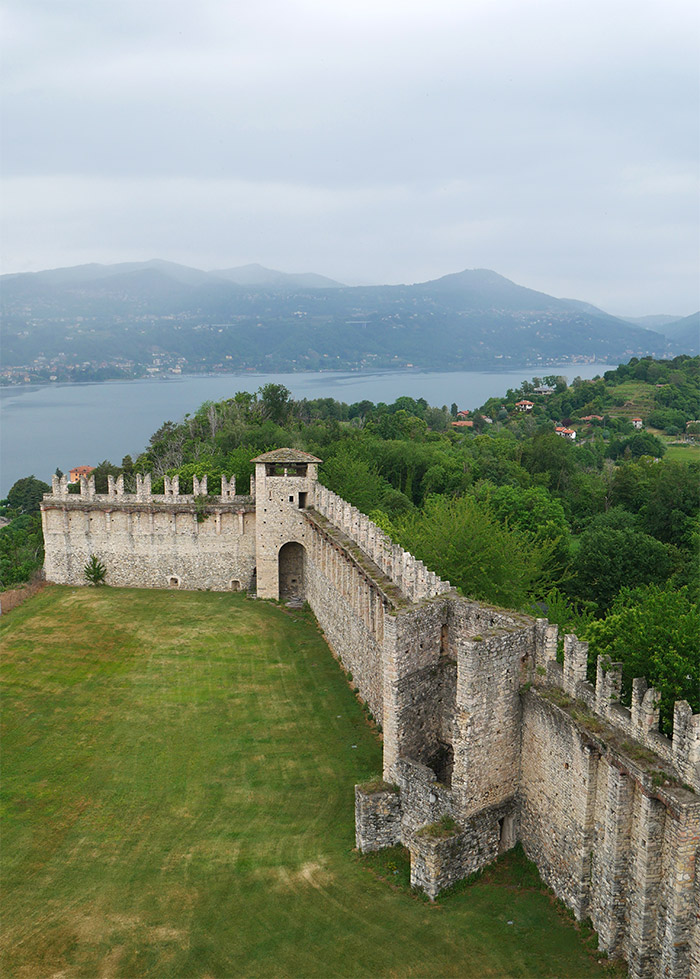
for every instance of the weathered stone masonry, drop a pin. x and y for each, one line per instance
(147, 540)
(480, 722)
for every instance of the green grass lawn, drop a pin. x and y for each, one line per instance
(177, 794)
(682, 452)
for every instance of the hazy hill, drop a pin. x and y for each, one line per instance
(258, 275)
(684, 334)
(654, 322)
(253, 317)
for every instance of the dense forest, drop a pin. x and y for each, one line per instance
(600, 533)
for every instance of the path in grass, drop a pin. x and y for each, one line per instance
(178, 801)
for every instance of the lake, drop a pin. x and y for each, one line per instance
(67, 425)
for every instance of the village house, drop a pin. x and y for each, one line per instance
(79, 471)
(637, 422)
(565, 433)
(524, 405)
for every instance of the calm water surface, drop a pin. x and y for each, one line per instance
(69, 425)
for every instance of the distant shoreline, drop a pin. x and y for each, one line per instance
(500, 368)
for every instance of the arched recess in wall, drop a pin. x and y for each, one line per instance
(292, 566)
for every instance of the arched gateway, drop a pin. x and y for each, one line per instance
(291, 572)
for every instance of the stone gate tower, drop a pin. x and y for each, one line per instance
(285, 484)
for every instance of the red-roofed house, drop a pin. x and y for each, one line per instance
(637, 422)
(524, 405)
(565, 433)
(463, 424)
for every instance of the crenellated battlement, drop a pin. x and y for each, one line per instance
(143, 493)
(639, 721)
(408, 573)
(153, 540)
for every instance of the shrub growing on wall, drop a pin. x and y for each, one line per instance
(95, 572)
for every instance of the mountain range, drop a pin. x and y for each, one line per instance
(160, 316)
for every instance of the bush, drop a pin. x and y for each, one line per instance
(94, 571)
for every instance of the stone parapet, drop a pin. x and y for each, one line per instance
(616, 840)
(640, 721)
(406, 572)
(362, 565)
(171, 493)
(153, 504)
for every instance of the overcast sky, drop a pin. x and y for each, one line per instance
(554, 141)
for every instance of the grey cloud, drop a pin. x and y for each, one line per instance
(389, 141)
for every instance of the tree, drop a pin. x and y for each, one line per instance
(94, 571)
(654, 632)
(609, 560)
(645, 444)
(551, 457)
(464, 543)
(349, 475)
(673, 501)
(533, 511)
(275, 402)
(21, 550)
(26, 494)
(101, 472)
(436, 419)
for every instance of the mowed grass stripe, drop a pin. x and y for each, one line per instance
(177, 791)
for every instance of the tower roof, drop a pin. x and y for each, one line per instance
(286, 455)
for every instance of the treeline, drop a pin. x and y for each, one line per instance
(21, 539)
(602, 535)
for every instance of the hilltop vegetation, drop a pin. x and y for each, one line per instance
(507, 510)
(664, 395)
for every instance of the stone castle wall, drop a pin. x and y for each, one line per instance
(481, 725)
(352, 611)
(614, 844)
(148, 540)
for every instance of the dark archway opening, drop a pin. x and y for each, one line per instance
(291, 572)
